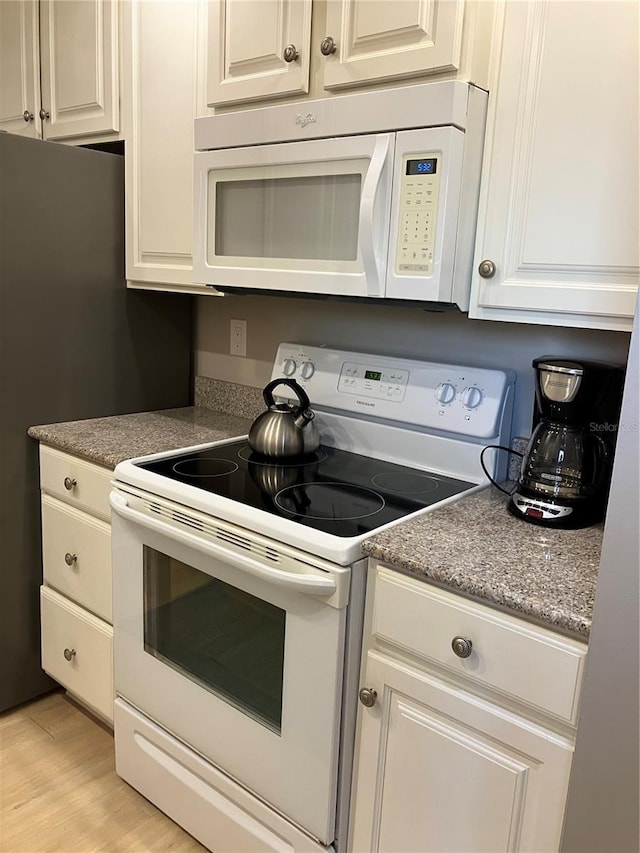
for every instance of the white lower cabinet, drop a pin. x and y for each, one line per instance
(77, 650)
(443, 761)
(75, 600)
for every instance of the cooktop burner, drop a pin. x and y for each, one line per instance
(327, 501)
(335, 491)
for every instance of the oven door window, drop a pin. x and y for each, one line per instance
(220, 637)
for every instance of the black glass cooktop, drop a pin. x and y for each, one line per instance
(335, 491)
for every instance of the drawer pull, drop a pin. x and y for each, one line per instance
(69, 654)
(461, 646)
(70, 559)
(69, 483)
(368, 697)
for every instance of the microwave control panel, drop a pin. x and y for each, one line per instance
(418, 209)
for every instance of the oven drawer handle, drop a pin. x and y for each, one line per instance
(309, 584)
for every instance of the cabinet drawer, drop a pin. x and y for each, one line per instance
(76, 555)
(531, 664)
(87, 485)
(89, 672)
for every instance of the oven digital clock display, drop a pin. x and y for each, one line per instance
(373, 374)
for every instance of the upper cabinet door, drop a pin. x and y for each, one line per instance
(19, 67)
(257, 49)
(558, 219)
(79, 54)
(377, 40)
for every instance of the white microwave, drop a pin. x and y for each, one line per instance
(370, 195)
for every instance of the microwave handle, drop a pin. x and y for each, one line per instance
(306, 583)
(374, 265)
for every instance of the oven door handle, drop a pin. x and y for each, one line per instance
(309, 584)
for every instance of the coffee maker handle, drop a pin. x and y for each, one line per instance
(488, 475)
(600, 462)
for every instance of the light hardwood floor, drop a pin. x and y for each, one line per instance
(59, 791)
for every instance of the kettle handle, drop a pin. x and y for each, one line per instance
(291, 383)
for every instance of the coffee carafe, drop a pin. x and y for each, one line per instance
(566, 469)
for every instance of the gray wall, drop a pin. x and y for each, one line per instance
(389, 330)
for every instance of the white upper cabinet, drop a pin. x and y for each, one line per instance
(159, 103)
(558, 216)
(258, 49)
(79, 63)
(19, 68)
(373, 40)
(59, 69)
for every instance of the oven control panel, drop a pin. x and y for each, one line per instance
(459, 399)
(364, 380)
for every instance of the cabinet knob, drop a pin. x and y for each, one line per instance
(291, 53)
(487, 269)
(461, 646)
(27, 116)
(69, 654)
(44, 113)
(328, 46)
(70, 559)
(368, 697)
(69, 483)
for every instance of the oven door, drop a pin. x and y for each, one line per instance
(235, 645)
(308, 217)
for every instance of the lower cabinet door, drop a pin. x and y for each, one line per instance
(77, 650)
(439, 769)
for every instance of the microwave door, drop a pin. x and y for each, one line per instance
(308, 217)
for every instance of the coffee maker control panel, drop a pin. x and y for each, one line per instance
(463, 400)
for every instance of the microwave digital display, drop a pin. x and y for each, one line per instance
(373, 374)
(422, 167)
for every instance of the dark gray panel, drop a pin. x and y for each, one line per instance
(603, 807)
(74, 343)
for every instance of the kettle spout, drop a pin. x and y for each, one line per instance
(303, 418)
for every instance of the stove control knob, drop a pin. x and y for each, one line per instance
(368, 697)
(307, 370)
(472, 397)
(445, 392)
(289, 367)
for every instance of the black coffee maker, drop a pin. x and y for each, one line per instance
(566, 469)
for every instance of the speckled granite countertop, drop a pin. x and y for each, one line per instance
(475, 547)
(107, 441)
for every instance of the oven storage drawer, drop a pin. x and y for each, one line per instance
(77, 650)
(76, 555)
(218, 812)
(526, 662)
(75, 481)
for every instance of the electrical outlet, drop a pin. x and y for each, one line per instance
(238, 337)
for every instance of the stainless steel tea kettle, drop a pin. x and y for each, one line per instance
(285, 429)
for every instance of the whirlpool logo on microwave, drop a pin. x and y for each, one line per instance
(366, 403)
(303, 121)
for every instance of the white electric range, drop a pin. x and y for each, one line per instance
(239, 593)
